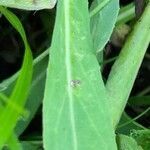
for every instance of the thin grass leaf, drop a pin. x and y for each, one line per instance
(13, 105)
(36, 90)
(134, 119)
(13, 143)
(75, 114)
(125, 69)
(9, 117)
(29, 4)
(127, 129)
(36, 94)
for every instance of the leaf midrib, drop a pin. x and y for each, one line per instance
(67, 39)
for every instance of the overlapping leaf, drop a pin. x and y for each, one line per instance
(103, 22)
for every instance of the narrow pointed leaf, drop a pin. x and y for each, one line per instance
(13, 143)
(36, 90)
(8, 116)
(36, 95)
(75, 115)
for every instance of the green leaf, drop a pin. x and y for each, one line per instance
(29, 4)
(13, 143)
(103, 22)
(36, 91)
(32, 145)
(142, 137)
(75, 115)
(128, 127)
(8, 116)
(125, 69)
(127, 143)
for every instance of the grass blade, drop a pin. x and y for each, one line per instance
(127, 129)
(8, 116)
(36, 94)
(13, 143)
(37, 86)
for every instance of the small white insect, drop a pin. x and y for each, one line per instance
(75, 83)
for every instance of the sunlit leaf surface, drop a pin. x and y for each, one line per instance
(75, 116)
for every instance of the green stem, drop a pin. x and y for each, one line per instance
(144, 92)
(126, 14)
(134, 119)
(125, 69)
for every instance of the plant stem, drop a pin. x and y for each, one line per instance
(145, 91)
(126, 14)
(125, 69)
(134, 119)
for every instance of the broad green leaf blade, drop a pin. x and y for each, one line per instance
(103, 22)
(29, 4)
(125, 69)
(9, 117)
(127, 143)
(75, 115)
